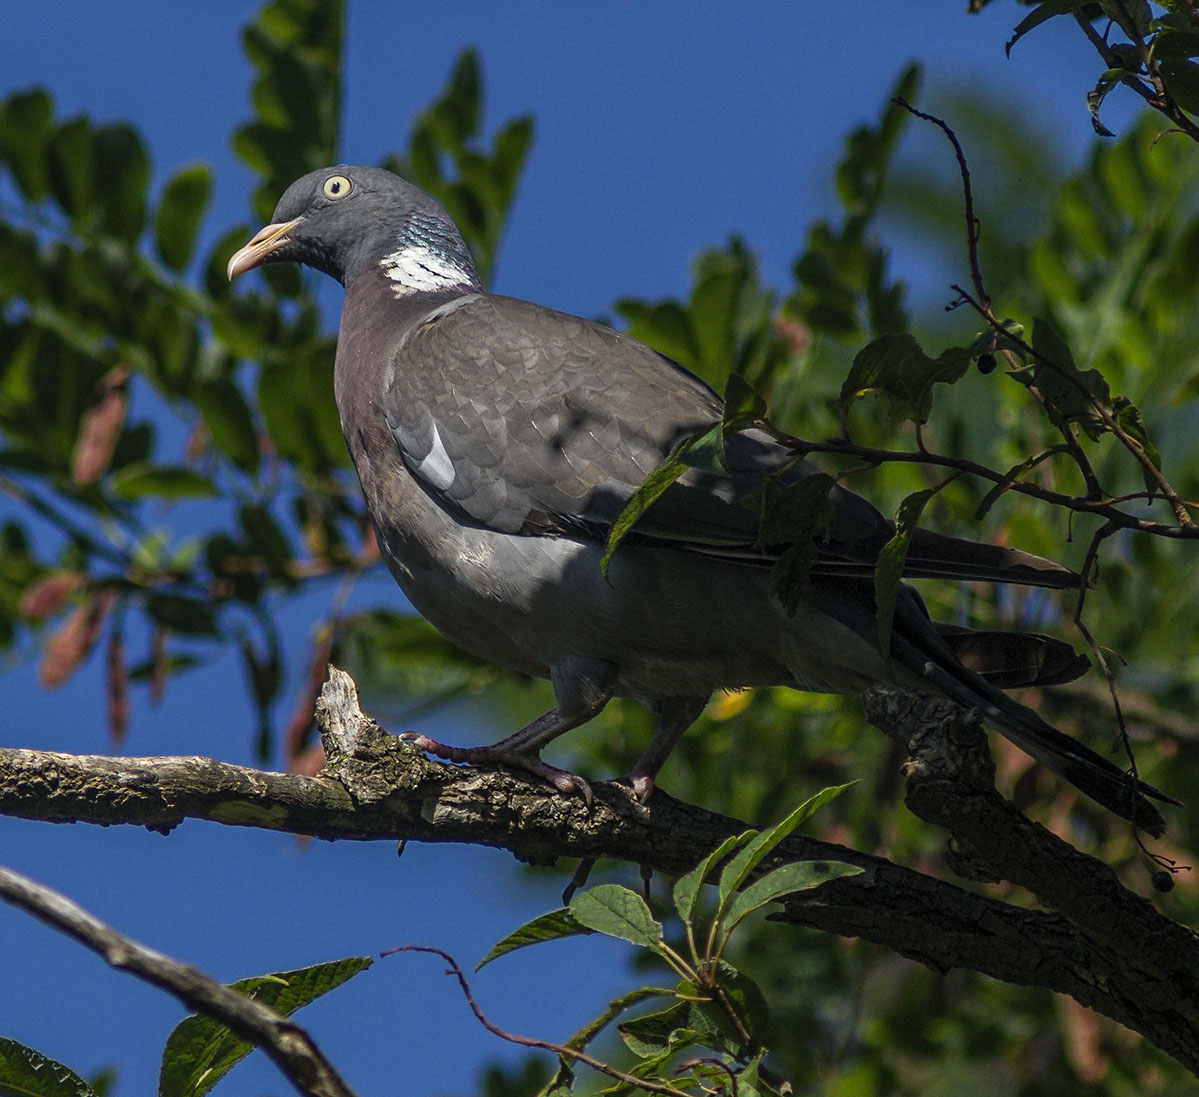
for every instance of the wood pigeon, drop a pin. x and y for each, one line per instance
(496, 442)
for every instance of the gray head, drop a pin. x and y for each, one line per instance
(343, 219)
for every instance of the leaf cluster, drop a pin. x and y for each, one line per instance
(708, 1037)
(128, 413)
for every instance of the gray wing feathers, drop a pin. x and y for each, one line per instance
(522, 419)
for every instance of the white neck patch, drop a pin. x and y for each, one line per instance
(418, 270)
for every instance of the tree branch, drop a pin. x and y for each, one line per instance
(1103, 945)
(291, 1048)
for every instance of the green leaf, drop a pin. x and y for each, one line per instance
(136, 481)
(1181, 78)
(616, 1007)
(229, 421)
(747, 1000)
(666, 1031)
(26, 124)
(1040, 14)
(617, 912)
(122, 169)
(889, 573)
(1010, 477)
(546, 927)
(741, 867)
(680, 459)
(797, 876)
(28, 1073)
(179, 613)
(201, 1051)
(71, 164)
(180, 211)
(798, 516)
(562, 1083)
(264, 536)
(743, 405)
(686, 888)
(1063, 385)
(894, 366)
(664, 326)
(1132, 422)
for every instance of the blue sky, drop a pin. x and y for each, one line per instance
(660, 130)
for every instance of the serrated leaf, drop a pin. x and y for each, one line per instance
(895, 367)
(889, 573)
(179, 213)
(1063, 384)
(28, 1073)
(797, 876)
(664, 1032)
(686, 888)
(545, 927)
(617, 912)
(201, 1051)
(138, 480)
(743, 864)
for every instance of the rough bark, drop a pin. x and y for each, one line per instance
(1098, 942)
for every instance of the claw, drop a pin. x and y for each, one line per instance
(643, 786)
(569, 784)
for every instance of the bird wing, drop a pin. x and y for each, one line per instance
(522, 419)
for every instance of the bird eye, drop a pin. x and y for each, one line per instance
(336, 186)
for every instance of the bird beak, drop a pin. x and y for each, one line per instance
(264, 242)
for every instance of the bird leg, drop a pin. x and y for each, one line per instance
(675, 716)
(582, 688)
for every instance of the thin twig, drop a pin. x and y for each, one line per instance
(293, 1051)
(1101, 507)
(972, 223)
(1157, 95)
(528, 1041)
(1109, 421)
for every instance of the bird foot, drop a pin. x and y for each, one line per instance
(643, 786)
(567, 783)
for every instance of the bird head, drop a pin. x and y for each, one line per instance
(346, 218)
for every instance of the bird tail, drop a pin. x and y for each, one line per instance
(935, 556)
(921, 649)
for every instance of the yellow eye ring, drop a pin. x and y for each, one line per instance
(336, 186)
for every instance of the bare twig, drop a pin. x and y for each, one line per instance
(527, 1041)
(1109, 421)
(972, 223)
(1104, 507)
(293, 1051)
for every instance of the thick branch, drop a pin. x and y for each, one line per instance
(1106, 947)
